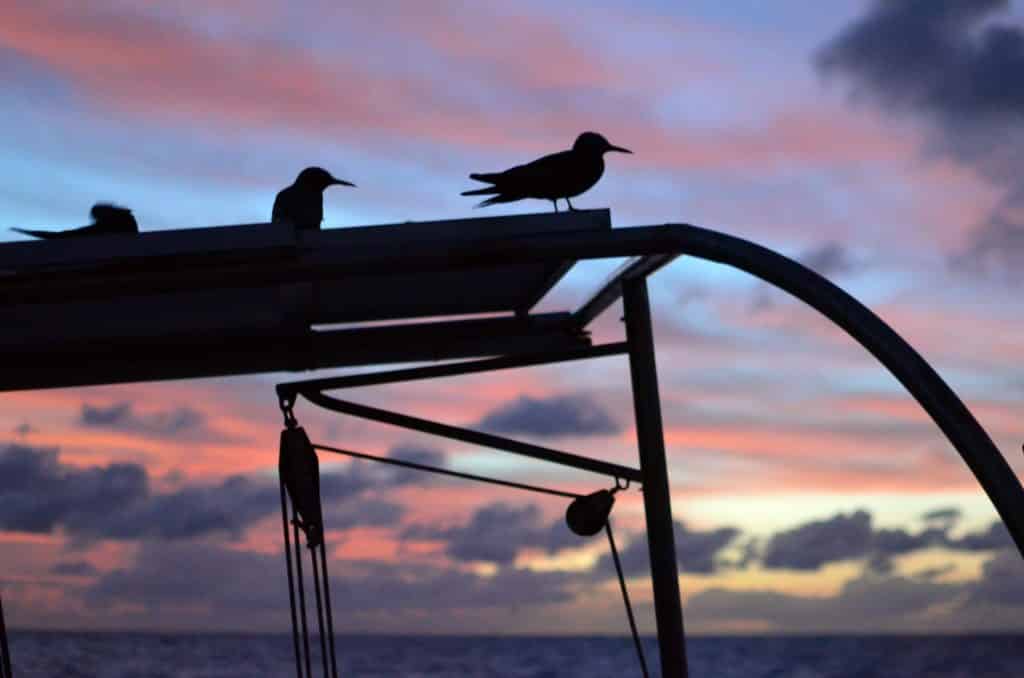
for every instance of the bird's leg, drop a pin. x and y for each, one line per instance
(555, 203)
(571, 208)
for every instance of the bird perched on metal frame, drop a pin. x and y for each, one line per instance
(107, 219)
(302, 203)
(559, 175)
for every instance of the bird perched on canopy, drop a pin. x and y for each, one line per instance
(559, 175)
(302, 203)
(106, 220)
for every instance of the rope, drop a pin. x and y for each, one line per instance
(302, 591)
(330, 616)
(291, 581)
(521, 486)
(319, 613)
(625, 598)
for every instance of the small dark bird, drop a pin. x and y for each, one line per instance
(559, 175)
(302, 203)
(106, 220)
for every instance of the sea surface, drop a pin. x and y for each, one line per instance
(120, 655)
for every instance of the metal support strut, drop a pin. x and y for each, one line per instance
(668, 609)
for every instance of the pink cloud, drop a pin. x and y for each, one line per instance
(160, 70)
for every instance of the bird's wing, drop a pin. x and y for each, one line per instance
(541, 170)
(302, 209)
(498, 198)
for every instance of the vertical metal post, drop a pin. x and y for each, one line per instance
(5, 667)
(668, 609)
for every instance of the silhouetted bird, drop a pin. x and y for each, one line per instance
(560, 175)
(302, 203)
(106, 220)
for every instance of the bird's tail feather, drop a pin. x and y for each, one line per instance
(497, 199)
(36, 234)
(483, 191)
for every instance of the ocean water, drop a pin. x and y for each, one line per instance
(110, 655)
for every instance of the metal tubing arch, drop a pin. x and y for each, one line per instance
(889, 348)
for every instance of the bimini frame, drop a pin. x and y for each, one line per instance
(294, 267)
(655, 247)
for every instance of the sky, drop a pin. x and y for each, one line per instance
(879, 143)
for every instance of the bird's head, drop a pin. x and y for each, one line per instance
(318, 178)
(592, 142)
(104, 210)
(112, 215)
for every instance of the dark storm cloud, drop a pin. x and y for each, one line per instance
(844, 537)
(997, 243)
(184, 573)
(555, 416)
(211, 582)
(874, 602)
(830, 259)
(993, 538)
(392, 588)
(23, 429)
(417, 454)
(40, 494)
(194, 511)
(74, 568)
(957, 65)
(870, 603)
(167, 575)
(182, 423)
(497, 533)
(1001, 581)
(880, 563)
(948, 515)
(935, 56)
(360, 511)
(809, 546)
(696, 551)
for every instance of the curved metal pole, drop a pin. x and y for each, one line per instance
(916, 375)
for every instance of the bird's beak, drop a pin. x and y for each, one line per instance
(340, 182)
(620, 149)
